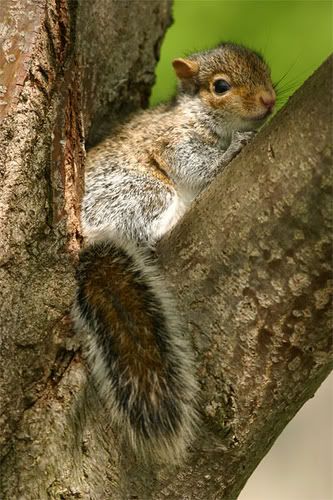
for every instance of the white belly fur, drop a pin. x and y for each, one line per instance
(180, 204)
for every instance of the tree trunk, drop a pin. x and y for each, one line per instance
(250, 262)
(67, 65)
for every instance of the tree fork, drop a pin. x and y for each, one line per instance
(250, 262)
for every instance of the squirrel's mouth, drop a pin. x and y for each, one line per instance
(261, 117)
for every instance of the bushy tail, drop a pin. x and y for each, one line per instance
(141, 361)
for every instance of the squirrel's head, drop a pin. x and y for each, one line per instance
(232, 80)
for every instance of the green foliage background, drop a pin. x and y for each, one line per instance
(295, 36)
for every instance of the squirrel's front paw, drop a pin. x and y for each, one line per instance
(239, 140)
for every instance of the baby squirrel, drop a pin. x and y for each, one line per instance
(139, 182)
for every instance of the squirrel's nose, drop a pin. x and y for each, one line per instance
(268, 100)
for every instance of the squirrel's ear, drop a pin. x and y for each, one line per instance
(185, 68)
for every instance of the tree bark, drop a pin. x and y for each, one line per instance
(250, 262)
(65, 66)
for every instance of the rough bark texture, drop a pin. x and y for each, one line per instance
(250, 262)
(253, 274)
(50, 80)
(119, 44)
(40, 160)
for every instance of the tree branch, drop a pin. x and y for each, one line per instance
(251, 264)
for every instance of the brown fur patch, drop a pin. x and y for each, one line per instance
(121, 306)
(158, 168)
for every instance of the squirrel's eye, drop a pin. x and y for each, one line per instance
(221, 86)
